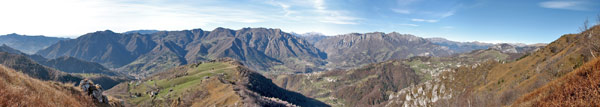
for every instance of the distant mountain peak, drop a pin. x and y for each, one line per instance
(105, 31)
(13, 34)
(143, 31)
(99, 33)
(8, 49)
(19, 35)
(309, 34)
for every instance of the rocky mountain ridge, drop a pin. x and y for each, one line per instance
(259, 48)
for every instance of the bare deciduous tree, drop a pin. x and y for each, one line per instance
(585, 25)
(593, 41)
(594, 44)
(598, 19)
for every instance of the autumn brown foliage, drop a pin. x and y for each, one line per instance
(578, 88)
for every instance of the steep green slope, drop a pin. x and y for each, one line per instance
(221, 83)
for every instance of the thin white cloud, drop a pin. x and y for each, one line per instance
(448, 27)
(564, 4)
(286, 9)
(402, 11)
(413, 25)
(319, 4)
(406, 2)
(76, 17)
(423, 20)
(448, 14)
(336, 18)
(332, 16)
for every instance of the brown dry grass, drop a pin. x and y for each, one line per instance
(18, 90)
(511, 80)
(578, 88)
(218, 94)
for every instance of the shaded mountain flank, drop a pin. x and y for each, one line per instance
(65, 64)
(74, 65)
(28, 44)
(223, 82)
(8, 49)
(23, 63)
(500, 83)
(260, 49)
(27, 66)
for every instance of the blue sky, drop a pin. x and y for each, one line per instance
(524, 21)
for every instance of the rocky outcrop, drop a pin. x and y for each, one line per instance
(93, 90)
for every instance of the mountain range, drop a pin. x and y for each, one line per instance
(372, 84)
(351, 50)
(459, 47)
(63, 69)
(28, 44)
(225, 67)
(259, 48)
